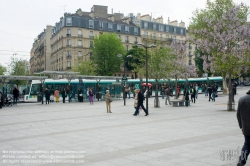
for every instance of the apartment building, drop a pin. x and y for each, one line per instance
(73, 36)
(40, 55)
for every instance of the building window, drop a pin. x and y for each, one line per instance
(135, 30)
(69, 42)
(136, 41)
(79, 33)
(100, 25)
(91, 23)
(68, 32)
(174, 30)
(126, 29)
(154, 36)
(182, 31)
(145, 25)
(145, 34)
(167, 28)
(154, 26)
(160, 27)
(110, 26)
(68, 21)
(127, 39)
(79, 53)
(126, 47)
(91, 44)
(160, 36)
(118, 27)
(79, 43)
(190, 62)
(68, 53)
(68, 64)
(91, 34)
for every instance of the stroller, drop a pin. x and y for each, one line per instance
(8, 101)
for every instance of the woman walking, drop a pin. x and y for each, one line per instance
(136, 100)
(186, 94)
(108, 101)
(91, 96)
(56, 94)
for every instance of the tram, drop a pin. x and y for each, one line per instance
(34, 87)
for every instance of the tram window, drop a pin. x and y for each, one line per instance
(35, 89)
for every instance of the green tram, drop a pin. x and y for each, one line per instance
(34, 88)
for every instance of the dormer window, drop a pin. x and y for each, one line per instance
(154, 26)
(136, 30)
(68, 21)
(126, 29)
(145, 25)
(100, 25)
(174, 30)
(110, 26)
(118, 27)
(182, 31)
(160, 27)
(167, 28)
(91, 23)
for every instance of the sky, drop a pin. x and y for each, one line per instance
(22, 20)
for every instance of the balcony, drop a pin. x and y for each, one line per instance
(68, 35)
(135, 42)
(68, 45)
(91, 46)
(127, 41)
(68, 68)
(91, 37)
(79, 35)
(190, 47)
(68, 56)
(80, 45)
(145, 36)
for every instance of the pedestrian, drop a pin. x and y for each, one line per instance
(243, 116)
(108, 101)
(178, 90)
(186, 94)
(234, 90)
(57, 95)
(140, 104)
(47, 95)
(136, 100)
(68, 93)
(91, 96)
(196, 91)
(79, 94)
(51, 97)
(64, 94)
(16, 95)
(87, 93)
(214, 93)
(23, 93)
(128, 91)
(206, 90)
(192, 92)
(210, 91)
(167, 93)
(162, 92)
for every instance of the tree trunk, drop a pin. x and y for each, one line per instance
(176, 95)
(224, 86)
(156, 95)
(230, 96)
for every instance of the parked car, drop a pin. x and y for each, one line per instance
(247, 83)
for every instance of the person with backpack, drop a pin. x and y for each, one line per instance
(193, 93)
(140, 104)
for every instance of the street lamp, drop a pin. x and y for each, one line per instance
(146, 47)
(124, 74)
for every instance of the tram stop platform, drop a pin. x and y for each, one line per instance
(76, 134)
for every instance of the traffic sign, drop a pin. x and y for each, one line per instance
(124, 78)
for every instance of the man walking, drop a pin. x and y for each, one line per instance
(243, 116)
(140, 104)
(193, 92)
(168, 93)
(197, 90)
(64, 94)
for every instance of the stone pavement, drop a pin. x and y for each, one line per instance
(203, 134)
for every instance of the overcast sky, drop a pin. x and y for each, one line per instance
(22, 20)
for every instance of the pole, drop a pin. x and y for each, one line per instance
(147, 78)
(124, 94)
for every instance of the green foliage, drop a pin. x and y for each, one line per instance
(138, 59)
(85, 68)
(2, 69)
(17, 67)
(106, 48)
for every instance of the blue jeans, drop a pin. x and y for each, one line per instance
(213, 96)
(206, 94)
(162, 95)
(196, 95)
(15, 100)
(245, 150)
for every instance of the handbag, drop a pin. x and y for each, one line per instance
(80, 95)
(110, 100)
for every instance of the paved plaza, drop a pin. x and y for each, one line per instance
(203, 134)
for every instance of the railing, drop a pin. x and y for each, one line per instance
(79, 35)
(68, 34)
(91, 37)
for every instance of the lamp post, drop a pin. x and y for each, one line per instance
(146, 47)
(124, 74)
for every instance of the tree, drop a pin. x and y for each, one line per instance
(2, 69)
(17, 66)
(159, 67)
(85, 68)
(139, 57)
(106, 48)
(179, 68)
(223, 41)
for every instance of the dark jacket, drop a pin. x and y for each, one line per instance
(64, 93)
(243, 114)
(192, 91)
(168, 92)
(186, 94)
(16, 92)
(210, 90)
(140, 97)
(47, 94)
